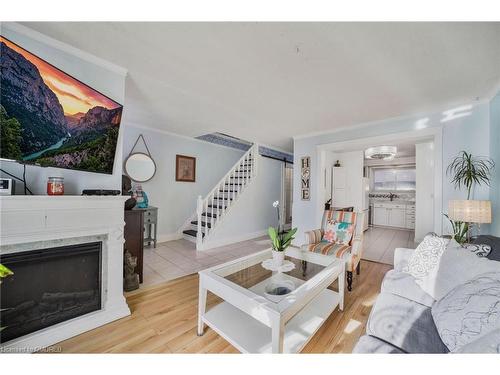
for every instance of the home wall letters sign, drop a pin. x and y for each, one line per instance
(305, 176)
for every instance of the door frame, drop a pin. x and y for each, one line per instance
(434, 134)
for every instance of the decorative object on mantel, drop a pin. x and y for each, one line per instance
(280, 239)
(130, 278)
(337, 163)
(127, 190)
(467, 171)
(55, 186)
(140, 166)
(305, 178)
(185, 168)
(141, 197)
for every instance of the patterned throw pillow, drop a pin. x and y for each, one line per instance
(338, 232)
(426, 256)
(469, 312)
(480, 250)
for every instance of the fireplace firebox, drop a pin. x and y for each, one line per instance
(49, 286)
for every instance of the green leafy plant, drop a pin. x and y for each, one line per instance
(280, 239)
(468, 170)
(460, 230)
(4, 272)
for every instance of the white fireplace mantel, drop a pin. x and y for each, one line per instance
(38, 222)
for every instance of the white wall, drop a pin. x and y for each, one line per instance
(424, 197)
(98, 74)
(177, 200)
(468, 133)
(253, 212)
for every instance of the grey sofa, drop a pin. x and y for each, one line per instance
(400, 320)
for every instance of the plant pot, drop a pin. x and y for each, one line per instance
(278, 258)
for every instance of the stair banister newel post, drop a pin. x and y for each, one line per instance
(199, 211)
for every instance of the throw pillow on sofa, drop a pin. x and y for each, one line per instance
(455, 266)
(469, 312)
(338, 232)
(426, 256)
(481, 250)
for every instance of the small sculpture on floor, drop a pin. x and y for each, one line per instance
(130, 278)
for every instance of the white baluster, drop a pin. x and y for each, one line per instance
(212, 213)
(199, 211)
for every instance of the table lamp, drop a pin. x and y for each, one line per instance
(470, 211)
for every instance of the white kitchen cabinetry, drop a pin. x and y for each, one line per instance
(394, 215)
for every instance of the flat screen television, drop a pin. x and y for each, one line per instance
(51, 119)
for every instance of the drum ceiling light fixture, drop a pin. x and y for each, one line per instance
(381, 152)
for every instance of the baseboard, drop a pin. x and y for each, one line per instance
(234, 239)
(169, 237)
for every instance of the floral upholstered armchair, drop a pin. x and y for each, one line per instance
(315, 241)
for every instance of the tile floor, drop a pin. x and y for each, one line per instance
(380, 243)
(174, 259)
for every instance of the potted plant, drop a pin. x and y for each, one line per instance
(4, 272)
(280, 239)
(467, 171)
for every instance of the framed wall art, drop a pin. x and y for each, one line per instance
(185, 168)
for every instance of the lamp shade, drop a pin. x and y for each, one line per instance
(470, 211)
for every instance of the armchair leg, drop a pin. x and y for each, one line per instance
(349, 281)
(358, 268)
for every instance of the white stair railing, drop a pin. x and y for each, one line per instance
(224, 194)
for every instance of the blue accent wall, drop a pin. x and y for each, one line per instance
(495, 155)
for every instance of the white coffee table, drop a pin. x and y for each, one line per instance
(254, 323)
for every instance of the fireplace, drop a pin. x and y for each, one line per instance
(49, 286)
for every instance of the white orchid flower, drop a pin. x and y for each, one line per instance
(276, 204)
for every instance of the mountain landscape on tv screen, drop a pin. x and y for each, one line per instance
(51, 119)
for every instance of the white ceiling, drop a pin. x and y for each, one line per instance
(266, 82)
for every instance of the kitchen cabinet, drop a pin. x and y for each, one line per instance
(396, 217)
(393, 215)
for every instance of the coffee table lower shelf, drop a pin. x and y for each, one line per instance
(251, 336)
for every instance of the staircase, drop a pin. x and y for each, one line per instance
(211, 210)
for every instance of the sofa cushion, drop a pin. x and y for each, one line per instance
(426, 256)
(401, 257)
(369, 344)
(327, 248)
(405, 324)
(489, 343)
(493, 242)
(469, 311)
(456, 266)
(404, 285)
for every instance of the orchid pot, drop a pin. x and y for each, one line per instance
(280, 239)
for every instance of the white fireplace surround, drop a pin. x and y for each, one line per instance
(41, 222)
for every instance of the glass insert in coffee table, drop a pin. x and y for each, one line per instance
(265, 311)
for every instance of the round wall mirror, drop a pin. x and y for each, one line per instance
(140, 167)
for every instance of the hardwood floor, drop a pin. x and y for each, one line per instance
(164, 318)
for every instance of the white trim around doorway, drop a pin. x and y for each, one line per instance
(429, 134)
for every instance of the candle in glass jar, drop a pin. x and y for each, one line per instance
(55, 186)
